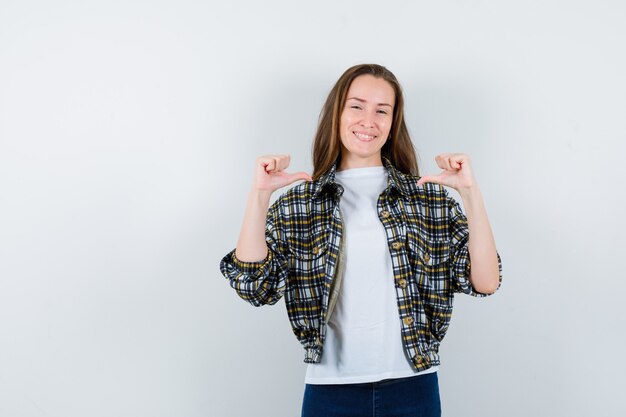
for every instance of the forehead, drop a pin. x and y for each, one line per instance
(370, 88)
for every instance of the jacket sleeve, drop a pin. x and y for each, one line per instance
(261, 282)
(459, 250)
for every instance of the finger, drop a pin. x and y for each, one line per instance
(302, 175)
(428, 178)
(276, 164)
(269, 164)
(460, 159)
(265, 162)
(296, 176)
(448, 162)
(455, 160)
(284, 161)
(442, 161)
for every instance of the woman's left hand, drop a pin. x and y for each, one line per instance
(457, 172)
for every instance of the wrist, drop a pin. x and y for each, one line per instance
(470, 193)
(261, 195)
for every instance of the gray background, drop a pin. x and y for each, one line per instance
(128, 133)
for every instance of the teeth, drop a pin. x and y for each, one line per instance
(364, 137)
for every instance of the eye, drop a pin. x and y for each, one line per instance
(382, 111)
(355, 107)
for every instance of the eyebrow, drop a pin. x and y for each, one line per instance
(363, 101)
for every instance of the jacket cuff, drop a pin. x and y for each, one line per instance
(461, 271)
(254, 267)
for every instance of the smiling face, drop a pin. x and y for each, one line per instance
(365, 122)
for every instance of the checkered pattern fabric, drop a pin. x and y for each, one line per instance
(427, 236)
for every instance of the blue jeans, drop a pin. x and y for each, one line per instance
(412, 396)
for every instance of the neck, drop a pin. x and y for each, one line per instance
(349, 163)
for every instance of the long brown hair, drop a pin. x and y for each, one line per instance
(327, 144)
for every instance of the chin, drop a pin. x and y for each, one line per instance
(365, 155)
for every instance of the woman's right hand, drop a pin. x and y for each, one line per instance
(270, 173)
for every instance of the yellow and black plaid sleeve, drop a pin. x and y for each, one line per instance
(459, 250)
(261, 282)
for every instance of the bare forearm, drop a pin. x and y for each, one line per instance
(484, 270)
(270, 175)
(251, 246)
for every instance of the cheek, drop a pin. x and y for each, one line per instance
(346, 121)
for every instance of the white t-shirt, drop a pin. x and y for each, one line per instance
(363, 339)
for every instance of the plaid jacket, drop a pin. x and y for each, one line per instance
(427, 235)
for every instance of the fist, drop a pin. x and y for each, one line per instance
(457, 171)
(270, 174)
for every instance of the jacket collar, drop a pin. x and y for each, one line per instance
(396, 179)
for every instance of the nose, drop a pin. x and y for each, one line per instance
(368, 119)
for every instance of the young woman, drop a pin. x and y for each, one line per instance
(367, 253)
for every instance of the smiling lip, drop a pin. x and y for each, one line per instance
(363, 137)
